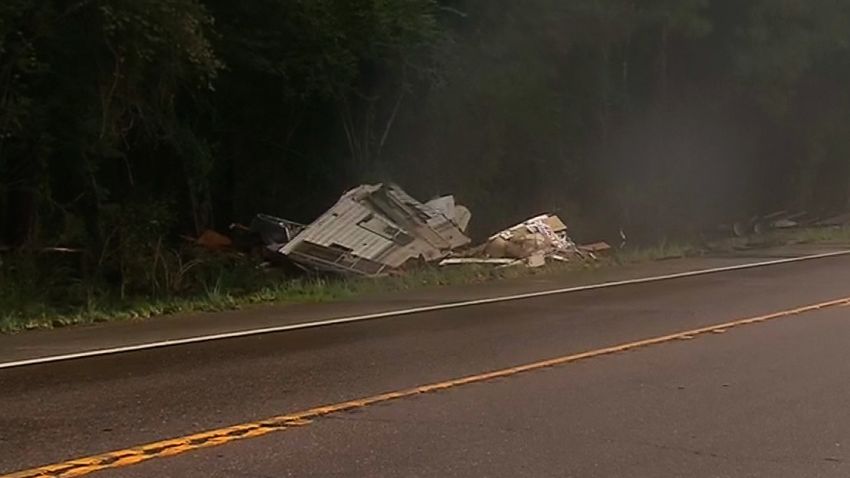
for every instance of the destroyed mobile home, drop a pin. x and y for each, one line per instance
(373, 230)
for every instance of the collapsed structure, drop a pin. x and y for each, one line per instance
(372, 230)
(532, 243)
(377, 229)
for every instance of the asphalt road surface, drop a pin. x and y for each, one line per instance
(765, 399)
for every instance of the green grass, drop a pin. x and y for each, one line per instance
(662, 251)
(28, 305)
(18, 315)
(821, 235)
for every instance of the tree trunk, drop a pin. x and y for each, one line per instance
(20, 217)
(663, 61)
(626, 72)
(605, 86)
(200, 199)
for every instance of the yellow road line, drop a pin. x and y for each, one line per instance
(222, 436)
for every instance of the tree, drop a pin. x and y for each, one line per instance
(88, 85)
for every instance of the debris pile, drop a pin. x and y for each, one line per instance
(379, 229)
(274, 230)
(784, 220)
(531, 243)
(372, 230)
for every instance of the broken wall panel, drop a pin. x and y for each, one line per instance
(333, 259)
(379, 224)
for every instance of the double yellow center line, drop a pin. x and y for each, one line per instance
(222, 436)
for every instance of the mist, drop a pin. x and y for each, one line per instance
(661, 118)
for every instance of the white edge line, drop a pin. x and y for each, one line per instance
(404, 312)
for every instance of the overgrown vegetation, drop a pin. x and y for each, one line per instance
(216, 284)
(125, 123)
(225, 289)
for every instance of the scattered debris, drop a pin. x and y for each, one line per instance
(532, 243)
(596, 247)
(783, 220)
(835, 221)
(536, 260)
(274, 231)
(767, 223)
(372, 230)
(213, 240)
(539, 234)
(456, 261)
(458, 214)
(559, 258)
(777, 220)
(785, 224)
(741, 228)
(379, 229)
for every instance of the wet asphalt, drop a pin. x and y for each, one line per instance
(766, 400)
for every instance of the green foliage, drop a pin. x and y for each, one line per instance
(239, 284)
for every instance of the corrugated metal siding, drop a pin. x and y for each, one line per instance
(334, 260)
(443, 205)
(448, 231)
(340, 226)
(451, 237)
(396, 257)
(401, 196)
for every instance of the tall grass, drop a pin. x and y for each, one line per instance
(222, 285)
(38, 292)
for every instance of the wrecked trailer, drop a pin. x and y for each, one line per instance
(374, 229)
(274, 230)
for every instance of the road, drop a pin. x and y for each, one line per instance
(768, 398)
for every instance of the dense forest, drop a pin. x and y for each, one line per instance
(662, 117)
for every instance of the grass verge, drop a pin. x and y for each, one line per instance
(17, 315)
(21, 310)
